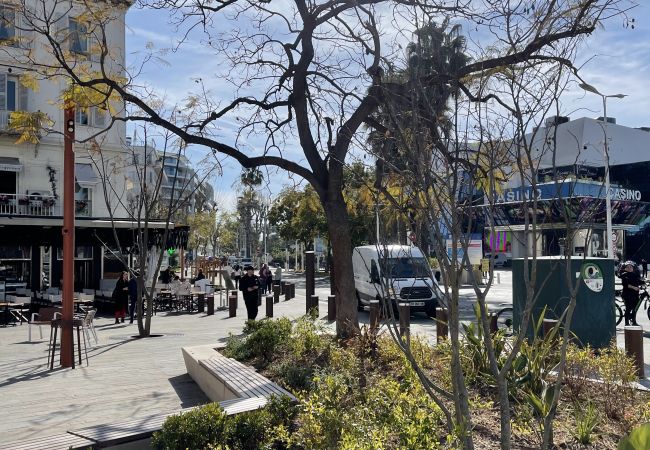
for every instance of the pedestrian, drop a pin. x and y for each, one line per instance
(166, 275)
(200, 275)
(631, 282)
(133, 295)
(278, 275)
(265, 273)
(644, 265)
(269, 280)
(250, 285)
(121, 297)
(236, 275)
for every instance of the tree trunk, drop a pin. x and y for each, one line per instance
(338, 226)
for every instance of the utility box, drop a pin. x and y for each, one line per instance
(593, 321)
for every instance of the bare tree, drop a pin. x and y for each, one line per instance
(316, 69)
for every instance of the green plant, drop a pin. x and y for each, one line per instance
(195, 429)
(638, 439)
(579, 368)
(261, 340)
(587, 420)
(617, 373)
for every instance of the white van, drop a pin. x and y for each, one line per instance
(501, 259)
(397, 272)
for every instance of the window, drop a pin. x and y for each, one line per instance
(92, 117)
(7, 24)
(78, 37)
(81, 116)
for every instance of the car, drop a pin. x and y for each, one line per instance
(246, 262)
(501, 259)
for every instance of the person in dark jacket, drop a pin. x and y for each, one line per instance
(250, 285)
(200, 275)
(631, 282)
(166, 275)
(133, 295)
(121, 297)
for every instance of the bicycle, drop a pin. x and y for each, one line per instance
(619, 304)
(505, 320)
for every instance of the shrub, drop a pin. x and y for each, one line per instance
(261, 340)
(194, 429)
(586, 422)
(209, 427)
(617, 372)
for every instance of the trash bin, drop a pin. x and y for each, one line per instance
(593, 321)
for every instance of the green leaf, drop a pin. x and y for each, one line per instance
(638, 439)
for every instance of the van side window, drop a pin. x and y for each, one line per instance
(374, 273)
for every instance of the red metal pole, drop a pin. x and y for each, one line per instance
(67, 343)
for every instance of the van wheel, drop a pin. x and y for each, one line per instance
(359, 304)
(393, 306)
(431, 311)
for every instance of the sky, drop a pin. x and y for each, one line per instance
(615, 60)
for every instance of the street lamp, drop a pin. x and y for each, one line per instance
(608, 201)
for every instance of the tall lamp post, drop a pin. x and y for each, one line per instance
(67, 344)
(611, 254)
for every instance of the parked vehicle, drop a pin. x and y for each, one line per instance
(501, 259)
(396, 273)
(246, 262)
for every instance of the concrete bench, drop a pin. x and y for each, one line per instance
(222, 378)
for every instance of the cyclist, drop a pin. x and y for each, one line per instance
(631, 282)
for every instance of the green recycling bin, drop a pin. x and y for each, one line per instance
(594, 321)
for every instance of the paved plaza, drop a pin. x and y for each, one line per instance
(131, 378)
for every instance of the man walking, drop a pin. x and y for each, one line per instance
(644, 265)
(631, 282)
(250, 285)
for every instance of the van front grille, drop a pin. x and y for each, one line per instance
(415, 293)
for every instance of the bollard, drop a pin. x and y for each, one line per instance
(374, 315)
(232, 306)
(283, 286)
(210, 305)
(634, 347)
(287, 292)
(200, 302)
(547, 326)
(442, 326)
(293, 290)
(404, 319)
(493, 323)
(498, 278)
(312, 303)
(260, 294)
(310, 286)
(276, 293)
(269, 306)
(331, 308)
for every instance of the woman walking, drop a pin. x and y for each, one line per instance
(121, 297)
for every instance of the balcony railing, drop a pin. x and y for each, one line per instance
(27, 205)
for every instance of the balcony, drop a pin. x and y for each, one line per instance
(27, 205)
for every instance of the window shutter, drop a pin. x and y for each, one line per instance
(3, 91)
(23, 97)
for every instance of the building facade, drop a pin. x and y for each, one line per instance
(570, 196)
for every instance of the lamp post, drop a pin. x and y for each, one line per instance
(67, 344)
(611, 254)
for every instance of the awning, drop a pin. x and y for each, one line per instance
(8, 164)
(85, 175)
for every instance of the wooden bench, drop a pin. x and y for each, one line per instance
(242, 380)
(63, 441)
(108, 435)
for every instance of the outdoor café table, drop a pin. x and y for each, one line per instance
(78, 303)
(56, 324)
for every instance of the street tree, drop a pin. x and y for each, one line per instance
(309, 73)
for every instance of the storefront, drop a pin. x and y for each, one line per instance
(572, 208)
(31, 255)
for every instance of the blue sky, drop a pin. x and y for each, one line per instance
(614, 60)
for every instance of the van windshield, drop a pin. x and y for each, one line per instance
(405, 267)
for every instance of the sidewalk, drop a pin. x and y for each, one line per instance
(130, 378)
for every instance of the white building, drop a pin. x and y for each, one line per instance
(31, 174)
